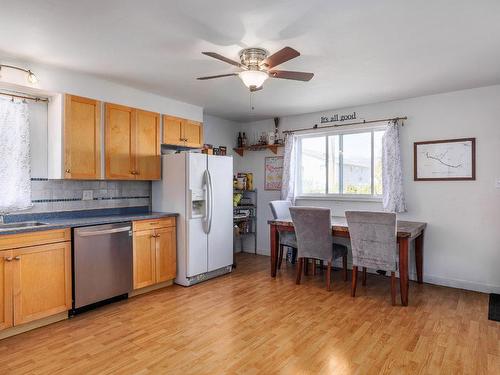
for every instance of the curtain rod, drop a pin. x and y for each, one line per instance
(316, 127)
(36, 99)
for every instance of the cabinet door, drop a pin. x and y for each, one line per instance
(193, 133)
(144, 259)
(42, 281)
(147, 146)
(172, 130)
(120, 144)
(166, 251)
(82, 138)
(6, 312)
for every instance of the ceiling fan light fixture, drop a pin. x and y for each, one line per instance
(253, 78)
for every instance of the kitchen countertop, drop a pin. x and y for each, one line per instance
(73, 219)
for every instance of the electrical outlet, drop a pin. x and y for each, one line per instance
(88, 195)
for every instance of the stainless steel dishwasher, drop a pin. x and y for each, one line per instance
(102, 263)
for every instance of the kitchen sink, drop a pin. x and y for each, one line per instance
(21, 224)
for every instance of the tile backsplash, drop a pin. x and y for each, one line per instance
(66, 195)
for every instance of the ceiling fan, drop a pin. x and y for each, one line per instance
(257, 66)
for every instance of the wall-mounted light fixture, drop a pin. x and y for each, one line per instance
(30, 76)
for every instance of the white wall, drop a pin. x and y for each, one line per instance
(462, 240)
(220, 132)
(59, 80)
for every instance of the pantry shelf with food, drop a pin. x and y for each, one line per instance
(244, 210)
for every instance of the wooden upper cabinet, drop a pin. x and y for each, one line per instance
(41, 281)
(147, 163)
(132, 143)
(193, 133)
(120, 142)
(182, 132)
(5, 289)
(82, 138)
(172, 130)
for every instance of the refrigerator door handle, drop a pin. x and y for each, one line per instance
(206, 182)
(211, 200)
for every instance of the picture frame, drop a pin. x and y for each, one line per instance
(445, 160)
(273, 172)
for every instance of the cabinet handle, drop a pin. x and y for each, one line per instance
(8, 259)
(68, 170)
(17, 258)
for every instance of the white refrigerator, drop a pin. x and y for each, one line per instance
(200, 188)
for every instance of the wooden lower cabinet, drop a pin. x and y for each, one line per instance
(154, 252)
(41, 281)
(35, 281)
(166, 251)
(144, 259)
(6, 314)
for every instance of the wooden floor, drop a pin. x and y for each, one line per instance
(248, 323)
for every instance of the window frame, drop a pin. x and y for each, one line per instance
(337, 196)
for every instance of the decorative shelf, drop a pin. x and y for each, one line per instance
(241, 150)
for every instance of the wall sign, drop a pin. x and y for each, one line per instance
(338, 118)
(273, 172)
(443, 160)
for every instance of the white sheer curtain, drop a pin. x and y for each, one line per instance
(289, 169)
(392, 171)
(15, 169)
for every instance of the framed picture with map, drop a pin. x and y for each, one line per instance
(445, 160)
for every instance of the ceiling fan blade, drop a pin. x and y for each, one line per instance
(222, 58)
(280, 57)
(285, 74)
(218, 76)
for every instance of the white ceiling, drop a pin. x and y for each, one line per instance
(360, 51)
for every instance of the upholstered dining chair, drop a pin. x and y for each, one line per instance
(280, 210)
(313, 227)
(373, 245)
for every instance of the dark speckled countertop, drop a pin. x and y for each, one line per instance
(73, 219)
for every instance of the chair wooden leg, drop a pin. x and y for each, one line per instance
(344, 267)
(314, 265)
(300, 262)
(280, 256)
(328, 276)
(363, 281)
(306, 266)
(354, 280)
(393, 288)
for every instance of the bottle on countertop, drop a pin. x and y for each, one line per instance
(244, 142)
(240, 140)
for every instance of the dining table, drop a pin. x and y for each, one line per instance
(407, 231)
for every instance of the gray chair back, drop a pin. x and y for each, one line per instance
(373, 239)
(280, 209)
(313, 228)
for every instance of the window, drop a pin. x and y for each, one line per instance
(340, 164)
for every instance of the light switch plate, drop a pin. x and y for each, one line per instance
(88, 195)
(497, 184)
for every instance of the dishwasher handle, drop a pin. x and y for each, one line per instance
(105, 231)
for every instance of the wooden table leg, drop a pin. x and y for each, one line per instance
(274, 248)
(403, 269)
(419, 257)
